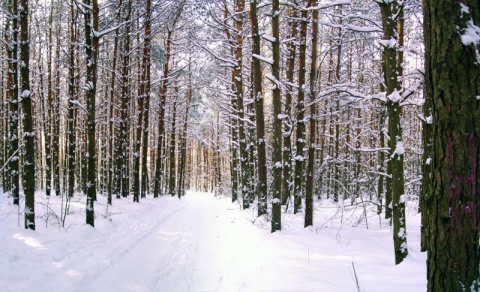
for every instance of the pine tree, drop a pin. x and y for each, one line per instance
(277, 122)
(28, 130)
(453, 84)
(260, 119)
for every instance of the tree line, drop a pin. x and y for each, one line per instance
(279, 104)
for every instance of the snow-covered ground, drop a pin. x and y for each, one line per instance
(202, 243)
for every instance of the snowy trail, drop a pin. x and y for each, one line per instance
(199, 243)
(186, 250)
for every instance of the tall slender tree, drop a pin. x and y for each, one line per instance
(277, 121)
(391, 12)
(90, 13)
(300, 115)
(260, 119)
(28, 130)
(12, 99)
(313, 120)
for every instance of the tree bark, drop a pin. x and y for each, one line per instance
(277, 122)
(313, 120)
(300, 119)
(453, 84)
(91, 53)
(260, 119)
(28, 130)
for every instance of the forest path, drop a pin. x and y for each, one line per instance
(193, 248)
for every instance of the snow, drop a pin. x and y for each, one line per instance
(429, 119)
(269, 38)
(391, 43)
(464, 9)
(395, 96)
(202, 243)
(471, 35)
(262, 58)
(399, 148)
(26, 93)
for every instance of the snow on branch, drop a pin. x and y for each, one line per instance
(384, 149)
(99, 34)
(262, 58)
(227, 61)
(364, 28)
(329, 4)
(347, 88)
(13, 157)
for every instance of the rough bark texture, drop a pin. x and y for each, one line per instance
(453, 83)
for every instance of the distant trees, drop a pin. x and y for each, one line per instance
(160, 96)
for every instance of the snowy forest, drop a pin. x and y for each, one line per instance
(361, 115)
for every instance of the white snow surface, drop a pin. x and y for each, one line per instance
(202, 243)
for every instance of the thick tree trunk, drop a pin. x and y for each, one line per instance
(453, 84)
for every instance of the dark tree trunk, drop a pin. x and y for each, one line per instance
(28, 131)
(391, 16)
(453, 85)
(91, 53)
(260, 119)
(277, 122)
(313, 121)
(300, 118)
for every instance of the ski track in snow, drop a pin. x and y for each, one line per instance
(199, 243)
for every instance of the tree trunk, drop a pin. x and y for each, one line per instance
(260, 119)
(313, 120)
(71, 105)
(300, 134)
(13, 100)
(28, 131)
(287, 123)
(392, 71)
(277, 122)
(172, 148)
(453, 85)
(91, 53)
